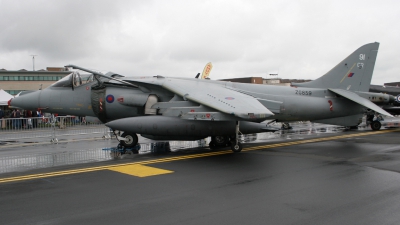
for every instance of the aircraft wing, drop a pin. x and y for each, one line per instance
(215, 96)
(362, 101)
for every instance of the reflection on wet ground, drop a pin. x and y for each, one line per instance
(47, 155)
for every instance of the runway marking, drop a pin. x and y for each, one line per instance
(140, 170)
(176, 158)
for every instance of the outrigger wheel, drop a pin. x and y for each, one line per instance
(375, 125)
(130, 139)
(236, 147)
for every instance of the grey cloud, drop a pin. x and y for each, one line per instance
(301, 39)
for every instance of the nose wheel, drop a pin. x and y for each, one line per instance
(128, 139)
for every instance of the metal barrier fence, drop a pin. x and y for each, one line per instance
(28, 162)
(45, 160)
(49, 127)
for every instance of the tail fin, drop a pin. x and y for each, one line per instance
(354, 73)
(206, 71)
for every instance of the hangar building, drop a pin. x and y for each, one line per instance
(14, 82)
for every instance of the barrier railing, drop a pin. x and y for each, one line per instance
(37, 161)
(45, 160)
(49, 127)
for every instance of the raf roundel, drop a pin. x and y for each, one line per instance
(398, 98)
(110, 98)
(229, 98)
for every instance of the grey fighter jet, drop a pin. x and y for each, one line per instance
(169, 108)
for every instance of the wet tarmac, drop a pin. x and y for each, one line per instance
(309, 175)
(26, 150)
(22, 154)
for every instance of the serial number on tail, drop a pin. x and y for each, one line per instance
(300, 92)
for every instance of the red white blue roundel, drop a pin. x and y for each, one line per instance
(229, 98)
(110, 98)
(398, 98)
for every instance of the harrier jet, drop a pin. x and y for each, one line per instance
(170, 108)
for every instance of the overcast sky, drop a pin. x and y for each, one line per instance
(297, 39)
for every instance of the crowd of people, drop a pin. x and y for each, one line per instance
(17, 119)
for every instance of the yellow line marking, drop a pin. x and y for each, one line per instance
(347, 72)
(140, 170)
(176, 158)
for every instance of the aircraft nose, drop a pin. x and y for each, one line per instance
(28, 101)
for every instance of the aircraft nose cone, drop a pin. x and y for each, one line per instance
(28, 101)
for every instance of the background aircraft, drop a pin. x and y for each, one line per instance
(392, 107)
(166, 108)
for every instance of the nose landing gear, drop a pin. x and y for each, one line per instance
(127, 139)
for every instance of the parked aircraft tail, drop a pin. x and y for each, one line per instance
(206, 71)
(354, 73)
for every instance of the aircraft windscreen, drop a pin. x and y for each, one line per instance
(64, 82)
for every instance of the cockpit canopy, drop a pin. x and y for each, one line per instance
(75, 79)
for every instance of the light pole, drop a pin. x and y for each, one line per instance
(33, 61)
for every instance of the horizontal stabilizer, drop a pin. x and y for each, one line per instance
(362, 101)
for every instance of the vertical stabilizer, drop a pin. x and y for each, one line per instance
(354, 73)
(207, 71)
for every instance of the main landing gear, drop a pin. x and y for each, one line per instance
(224, 141)
(219, 141)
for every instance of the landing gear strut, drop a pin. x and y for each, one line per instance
(236, 146)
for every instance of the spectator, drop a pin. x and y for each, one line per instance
(13, 116)
(18, 119)
(25, 117)
(34, 118)
(2, 121)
